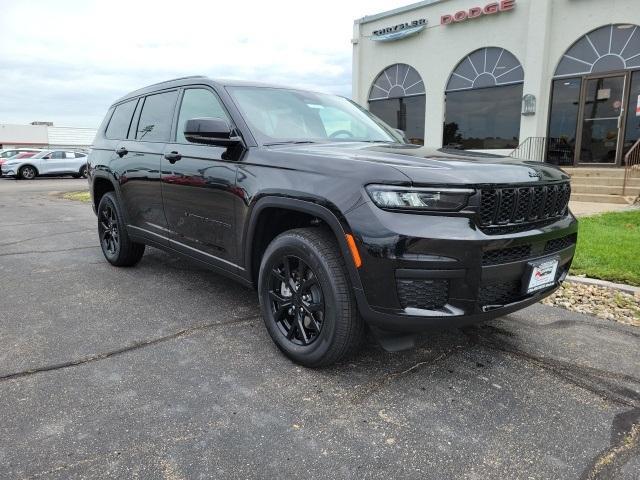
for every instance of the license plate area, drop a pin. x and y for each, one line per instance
(540, 274)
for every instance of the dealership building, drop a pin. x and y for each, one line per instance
(560, 78)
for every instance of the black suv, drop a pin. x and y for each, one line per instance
(327, 211)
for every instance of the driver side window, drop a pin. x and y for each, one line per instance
(198, 103)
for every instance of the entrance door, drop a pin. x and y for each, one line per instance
(602, 114)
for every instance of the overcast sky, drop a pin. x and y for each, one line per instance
(65, 61)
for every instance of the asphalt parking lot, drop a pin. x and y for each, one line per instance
(165, 371)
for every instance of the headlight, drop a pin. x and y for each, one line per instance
(407, 198)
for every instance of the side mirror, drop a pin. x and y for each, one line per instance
(210, 131)
(402, 134)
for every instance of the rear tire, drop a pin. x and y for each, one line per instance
(116, 245)
(306, 298)
(27, 173)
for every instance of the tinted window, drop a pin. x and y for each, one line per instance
(632, 132)
(484, 118)
(155, 120)
(563, 120)
(406, 114)
(57, 154)
(80, 155)
(119, 124)
(198, 103)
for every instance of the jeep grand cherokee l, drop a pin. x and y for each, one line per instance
(323, 208)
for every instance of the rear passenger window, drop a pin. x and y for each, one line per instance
(198, 103)
(120, 120)
(155, 120)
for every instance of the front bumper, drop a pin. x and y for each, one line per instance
(433, 271)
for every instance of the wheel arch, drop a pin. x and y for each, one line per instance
(329, 218)
(29, 165)
(100, 184)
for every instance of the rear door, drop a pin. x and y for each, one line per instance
(198, 190)
(138, 163)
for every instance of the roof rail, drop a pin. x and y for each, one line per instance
(175, 80)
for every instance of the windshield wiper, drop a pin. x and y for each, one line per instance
(290, 142)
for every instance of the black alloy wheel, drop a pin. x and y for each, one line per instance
(117, 247)
(297, 301)
(307, 301)
(108, 230)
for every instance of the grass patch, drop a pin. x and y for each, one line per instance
(609, 247)
(82, 196)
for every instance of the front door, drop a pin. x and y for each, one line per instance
(198, 187)
(602, 119)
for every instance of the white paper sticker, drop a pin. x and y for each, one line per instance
(604, 94)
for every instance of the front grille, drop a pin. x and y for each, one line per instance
(558, 244)
(504, 255)
(504, 210)
(422, 293)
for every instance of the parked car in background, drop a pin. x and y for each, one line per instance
(46, 163)
(19, 155)
(12, 152)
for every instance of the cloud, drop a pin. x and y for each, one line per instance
(66, 61)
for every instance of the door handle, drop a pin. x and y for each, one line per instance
(121, 152)
(173, 157)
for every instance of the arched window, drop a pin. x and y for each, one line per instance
(397, 96)
(609, 48)
(592, 82)
(483, 100)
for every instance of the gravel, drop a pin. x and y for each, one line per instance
(600, 301)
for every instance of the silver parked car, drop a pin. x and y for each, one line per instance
(47, 163)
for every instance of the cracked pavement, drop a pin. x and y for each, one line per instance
(165, 371)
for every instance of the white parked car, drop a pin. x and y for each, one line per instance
(47, 163)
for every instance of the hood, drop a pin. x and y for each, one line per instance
(423, 165)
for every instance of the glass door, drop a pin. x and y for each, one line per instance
(602, 120)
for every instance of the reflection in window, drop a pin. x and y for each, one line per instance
(632, 131)
(155, 120)
(198, 103)
(483, 101)
(397, 97)
(120, 120)
(485, 118)
(563, 120)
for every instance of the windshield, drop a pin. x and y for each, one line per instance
(278, 115)
(41, 154)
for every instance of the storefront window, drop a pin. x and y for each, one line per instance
(398, 98)
(592, 82)
(632, 130)
(565, 103)
(483, 101)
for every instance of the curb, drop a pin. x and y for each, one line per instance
(630, 289)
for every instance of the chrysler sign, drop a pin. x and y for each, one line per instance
(397, 32)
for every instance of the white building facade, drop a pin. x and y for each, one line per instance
(45, 136)
(559, 77)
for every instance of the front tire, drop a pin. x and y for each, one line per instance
(306, 298)
(116, 245)
(27, 173)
